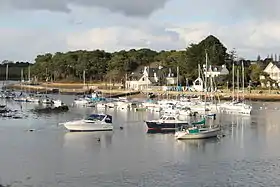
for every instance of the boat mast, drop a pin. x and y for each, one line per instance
(46, 80)
(177, 82)
(21, 79)
(7, 73)
(233, 81)
(29, 74)
(243, 90)
(84, 81)
(199, 78)
(237, 97)
(206, 64)
(84, 78)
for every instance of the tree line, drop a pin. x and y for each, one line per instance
(100, 65)
(15, 70)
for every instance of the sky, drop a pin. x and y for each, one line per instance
(32, 27)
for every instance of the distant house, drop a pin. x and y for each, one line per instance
(215, 71)
(273, 70)
(198, 85)
(146, 77)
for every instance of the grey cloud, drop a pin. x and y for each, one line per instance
(13, 44)
(127, 7)
(254, 9)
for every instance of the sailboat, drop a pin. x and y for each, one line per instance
(21, 97)
(31, 98)
(237, 106)
(198, 130)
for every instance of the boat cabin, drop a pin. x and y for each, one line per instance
(167, 118)
(100, 117)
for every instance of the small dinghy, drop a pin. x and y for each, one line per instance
(59, 109)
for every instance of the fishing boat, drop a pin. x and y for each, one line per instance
(165, 123)
(196, 132)
(94, 122)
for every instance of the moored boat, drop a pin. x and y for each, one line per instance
(166, 123)
(197, 133)
(197, 130)
(50, 109)
(94, 122)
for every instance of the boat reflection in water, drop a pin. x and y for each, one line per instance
(87, 140)
(199, 144)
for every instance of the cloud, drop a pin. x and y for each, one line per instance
(26, 44)
(257, 9)
(249, 38)
(127, 7)
(119, 38)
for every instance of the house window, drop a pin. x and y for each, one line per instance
(143, 79)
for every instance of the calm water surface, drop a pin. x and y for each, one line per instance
(248, 155)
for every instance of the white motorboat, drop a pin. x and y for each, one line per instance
(47, 101)
(57, 103)
(185, 111)
(32, 99)
(123, 106)
(236, 107)
(101, 105)
(82, 101)
(94, 122)
(110, 105)
(20, 99)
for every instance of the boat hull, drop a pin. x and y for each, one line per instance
(81, 126)
(164, 126)
(201, 135)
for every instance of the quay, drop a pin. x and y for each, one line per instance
(78, 89)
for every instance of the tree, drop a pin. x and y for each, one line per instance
(100, 65)
(255, 72)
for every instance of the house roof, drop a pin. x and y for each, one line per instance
(277, 64)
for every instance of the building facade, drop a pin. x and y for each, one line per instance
(273, 70)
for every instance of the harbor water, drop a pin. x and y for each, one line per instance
(49, 156)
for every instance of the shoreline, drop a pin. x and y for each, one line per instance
(78, 89)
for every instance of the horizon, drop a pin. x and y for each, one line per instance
(31, 28)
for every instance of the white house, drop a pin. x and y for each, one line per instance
(198, 85)
(273, 70)
(144, 80)
(148, 77)
(215, 71)
(171, 79)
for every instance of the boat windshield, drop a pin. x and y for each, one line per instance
(167, 118)
(95, 117)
